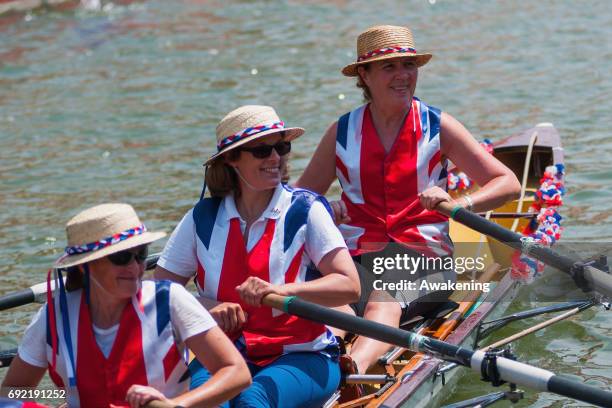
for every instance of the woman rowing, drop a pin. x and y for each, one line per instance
(390, 156)
(111, 339)
(256, 236)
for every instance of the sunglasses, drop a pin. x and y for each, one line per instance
(125, 257)
(264, 151)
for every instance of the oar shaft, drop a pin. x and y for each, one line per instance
(368, 328)
(530, 330)
(16, 299)
(598, 280)
(152, 261)
(37, 293)
(601, 281)
(509, 215)
(506, 236)
(509, 370)
(569, 388)
(6, 357)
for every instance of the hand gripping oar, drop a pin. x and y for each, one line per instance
(586, 277)
(38, 293)
(491, 367)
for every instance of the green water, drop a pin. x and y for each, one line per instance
(121, 104)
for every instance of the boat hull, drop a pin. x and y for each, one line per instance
(426, 388)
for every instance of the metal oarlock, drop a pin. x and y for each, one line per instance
(488, 368)
(445, 369)
(578, 270)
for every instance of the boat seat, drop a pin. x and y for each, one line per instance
(419, 311)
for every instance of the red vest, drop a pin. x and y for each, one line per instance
(144, 351)
(381, 189)
(278, 257)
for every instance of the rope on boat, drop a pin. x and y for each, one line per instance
(519, 208)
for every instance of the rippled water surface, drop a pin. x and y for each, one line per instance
(120, 104)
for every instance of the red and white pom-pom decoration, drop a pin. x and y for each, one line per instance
(545, 229)
(460, 181)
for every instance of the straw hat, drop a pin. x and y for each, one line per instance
(383, 42)
(248, 123)
(103, 230)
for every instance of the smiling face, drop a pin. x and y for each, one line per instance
(391, 80)
(119, 282)
(259, 174)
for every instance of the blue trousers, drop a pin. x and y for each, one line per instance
(293, 380)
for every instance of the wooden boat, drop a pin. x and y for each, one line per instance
(407, 379)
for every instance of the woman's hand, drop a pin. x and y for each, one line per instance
(340, 212)
(229, 316)
(138, 395)
(253, 289)
(433, 196)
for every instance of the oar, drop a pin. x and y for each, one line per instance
(37, 293)
(493, 367)
(6, 356)
(510, 215)
(585, 276)
(531, 329)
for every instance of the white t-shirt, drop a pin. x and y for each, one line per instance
(187, 316)
(322, 235)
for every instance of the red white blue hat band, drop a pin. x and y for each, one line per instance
(384, 42)
(251, 131)
(103, 243)
(103, 230)
(384, 51)
(248, 123)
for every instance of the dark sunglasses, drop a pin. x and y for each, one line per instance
(125, 257)
(264, 151)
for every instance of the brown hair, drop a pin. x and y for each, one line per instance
(74, 279)
(221, 178)
(367, 96)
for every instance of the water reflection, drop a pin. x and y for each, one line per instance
(120, 104)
